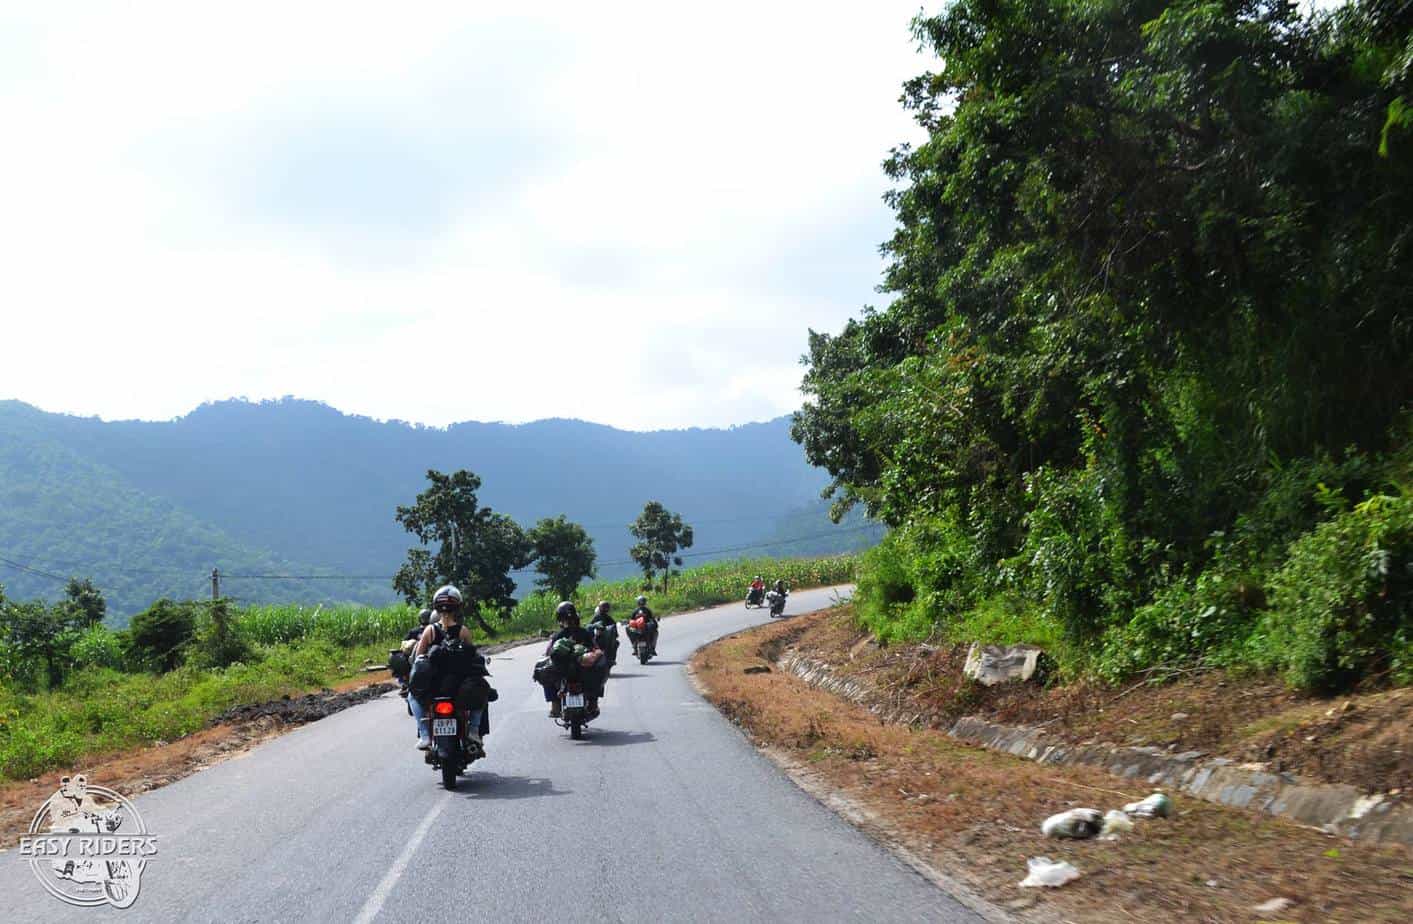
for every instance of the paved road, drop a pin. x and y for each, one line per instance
(663, 813)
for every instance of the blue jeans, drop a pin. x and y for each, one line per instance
(420, 715)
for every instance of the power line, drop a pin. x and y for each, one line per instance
(35, 571)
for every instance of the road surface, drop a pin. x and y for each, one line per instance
(664, 812)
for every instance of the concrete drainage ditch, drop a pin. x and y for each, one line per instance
(1332, 807)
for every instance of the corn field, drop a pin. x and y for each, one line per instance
(719, 582)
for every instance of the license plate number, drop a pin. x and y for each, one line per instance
(574, 701)
(444, 728)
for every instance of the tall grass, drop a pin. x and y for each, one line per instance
(343, 625)
(718, 582)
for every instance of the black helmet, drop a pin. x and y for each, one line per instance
(424, 617)
(642, 601)
(447, 598)
(603, 607)
(566, 610)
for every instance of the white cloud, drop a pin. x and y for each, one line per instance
(628, 213)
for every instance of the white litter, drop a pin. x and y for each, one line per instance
(1048, 873)
(1274, 906)
(1115, 823)
(1076, 823)
(1155, 806)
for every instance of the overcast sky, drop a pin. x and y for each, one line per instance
(628, 213)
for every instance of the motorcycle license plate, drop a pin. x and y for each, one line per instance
(574, 701)
(444, 728)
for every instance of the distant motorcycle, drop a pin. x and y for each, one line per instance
(776, 599)
(640, 635)
(755, 597)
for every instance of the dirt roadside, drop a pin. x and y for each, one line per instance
(1365, 739)
(974, 816)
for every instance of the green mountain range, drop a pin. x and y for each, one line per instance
(303, 496)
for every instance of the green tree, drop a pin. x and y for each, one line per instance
(34, 637)
(660, 534)
(85, 602)
(158, 636)
(476, 548)
(564, 555)
(1147, 261)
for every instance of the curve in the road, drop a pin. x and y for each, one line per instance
(665, 812)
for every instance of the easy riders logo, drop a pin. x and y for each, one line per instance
(88, 846)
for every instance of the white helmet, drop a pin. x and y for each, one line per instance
(447, 597)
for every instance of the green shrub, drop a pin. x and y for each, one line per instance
(217, 644)
(158, 636)
(1342, 604)
(96, 647)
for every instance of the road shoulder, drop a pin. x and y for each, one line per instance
(972, 817)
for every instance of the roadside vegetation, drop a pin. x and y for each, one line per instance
(1142, 394)
(71, 688)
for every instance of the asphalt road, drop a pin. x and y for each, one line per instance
(664, 812)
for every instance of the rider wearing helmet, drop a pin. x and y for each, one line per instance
(649, 630)
(400, 662)
(757, 592)
(467, 688)
(605, 632)
(567, 615)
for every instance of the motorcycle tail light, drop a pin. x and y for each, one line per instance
(444, 707)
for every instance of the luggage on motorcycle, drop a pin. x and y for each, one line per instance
(638, 623)
(564, 648)
(455, 659)
(419, 680)
(590, 658)
(545, 672)
(398, 663)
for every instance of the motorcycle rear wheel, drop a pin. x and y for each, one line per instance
(576, 730)
(448, 775)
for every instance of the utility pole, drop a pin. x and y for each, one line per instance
(215, 584)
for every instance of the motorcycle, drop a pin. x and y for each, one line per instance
(573, 708)
(755, 597)
(643, 649)
(776, 600)
(452, 751)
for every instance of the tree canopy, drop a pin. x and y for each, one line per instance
(1151, 277)
(660, 534)
(564, 554)
(477, 548)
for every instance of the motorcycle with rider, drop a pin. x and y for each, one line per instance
(448, 693)
(572, 673)
(642, 631)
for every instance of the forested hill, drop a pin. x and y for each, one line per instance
(295, 487)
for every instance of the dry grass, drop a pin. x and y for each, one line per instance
(975, 815)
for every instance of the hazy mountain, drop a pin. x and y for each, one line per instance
(296, 487)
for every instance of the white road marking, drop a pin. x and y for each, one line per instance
(374, 904)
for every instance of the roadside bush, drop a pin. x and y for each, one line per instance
(1342, 604)
(916, 580)
(1076, 557)
(158, 636)
(96, 647)
(217, 644)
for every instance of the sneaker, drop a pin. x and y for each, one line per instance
(424, 744)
